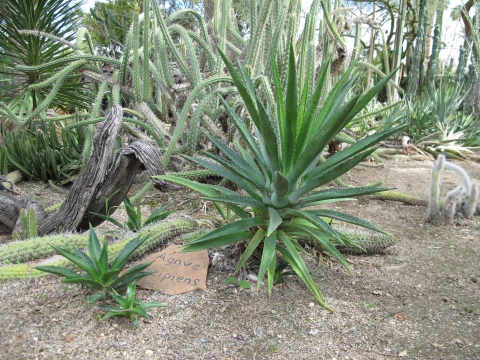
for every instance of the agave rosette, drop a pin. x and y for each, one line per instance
(99, 274)
(279, 171)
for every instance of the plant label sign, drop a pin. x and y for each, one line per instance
(175, 272)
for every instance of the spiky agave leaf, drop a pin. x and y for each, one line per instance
(279, 166)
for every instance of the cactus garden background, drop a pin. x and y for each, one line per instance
(326, 155)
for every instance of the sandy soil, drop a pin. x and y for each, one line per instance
(420, 301)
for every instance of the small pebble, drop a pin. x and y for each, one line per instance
(311, 305)
(148, 352)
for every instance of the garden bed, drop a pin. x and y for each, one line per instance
(420, 301)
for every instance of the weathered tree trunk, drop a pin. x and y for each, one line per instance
(70, 213)
(120, 177)
(100, 178)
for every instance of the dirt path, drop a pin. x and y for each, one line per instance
(421, 301)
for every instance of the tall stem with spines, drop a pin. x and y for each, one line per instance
(397, 50)
(254, 56)
(437, 38)
(146, 47)
(417, 61)
(434, 199)
(136, 61)
(222, 31)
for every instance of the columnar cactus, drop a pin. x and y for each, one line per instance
(465, 195)
(434, 201)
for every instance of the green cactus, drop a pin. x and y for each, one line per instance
(152, 61)
(414, 74)
(8, 181)
(368, 244)
(432, 65)
(29, 227)
(470, 206)
(40, 247)
(194, 174)
(41, 155)
(3, 162)
(466, 194)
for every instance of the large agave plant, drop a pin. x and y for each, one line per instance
(278, 168)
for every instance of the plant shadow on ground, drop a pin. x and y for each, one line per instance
(420, 301)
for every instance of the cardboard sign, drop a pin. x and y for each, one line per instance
(176, 272)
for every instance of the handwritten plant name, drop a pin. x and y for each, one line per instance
(177, 265)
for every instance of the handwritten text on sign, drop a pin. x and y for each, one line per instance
(175, 272)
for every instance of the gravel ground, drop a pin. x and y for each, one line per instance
(420, 301)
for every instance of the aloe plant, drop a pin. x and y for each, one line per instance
(279, 171)
(40, 153)
(437, 123)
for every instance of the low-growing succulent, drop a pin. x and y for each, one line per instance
(135, 216)
(130, 306)
(98, 274)
(244, 284)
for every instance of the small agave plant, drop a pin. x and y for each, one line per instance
(99, 274)
(280, 172)
(129, 306)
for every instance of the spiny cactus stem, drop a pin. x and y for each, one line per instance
(14, 176)
(47, 35)
(434, 200)
(159, 233)
(470, 205)
(460, 171)
(450, 203)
